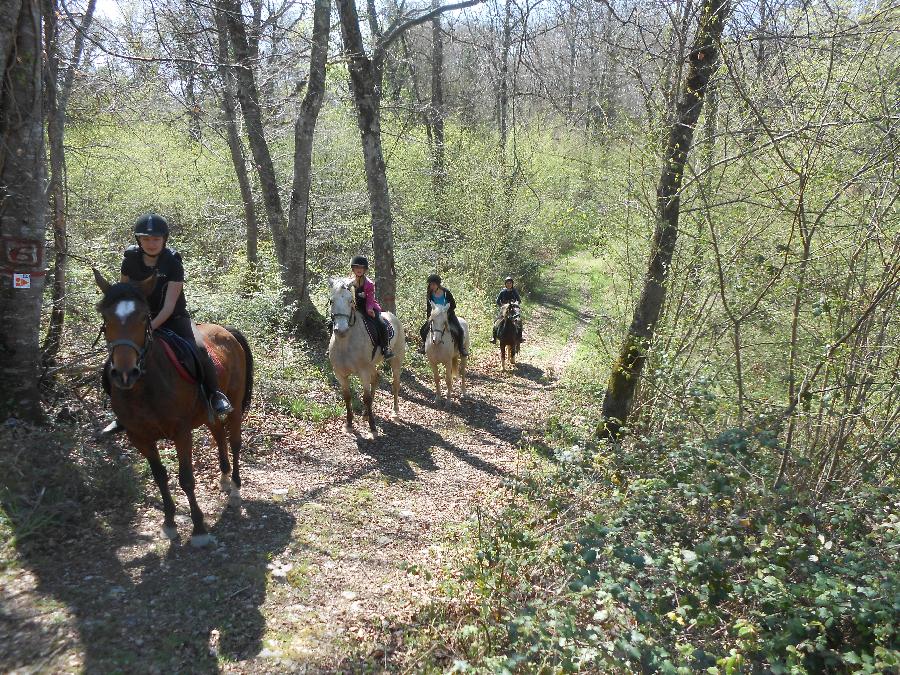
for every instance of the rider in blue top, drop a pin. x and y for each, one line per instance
(439, 295)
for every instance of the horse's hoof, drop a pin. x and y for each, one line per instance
(201, 540)
(225, 483)
(234, 499)
(170, 532)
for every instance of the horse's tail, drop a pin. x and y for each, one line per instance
(248, 362)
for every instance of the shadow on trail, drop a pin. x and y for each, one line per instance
(475, 412)
(402, 444)
(172, 609)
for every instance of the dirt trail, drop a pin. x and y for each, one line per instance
(335, 531)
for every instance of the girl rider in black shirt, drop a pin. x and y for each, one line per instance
(168, 308)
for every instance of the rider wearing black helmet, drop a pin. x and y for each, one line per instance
(364, 290)
(439, 295)
(507, 295)
(168, 308)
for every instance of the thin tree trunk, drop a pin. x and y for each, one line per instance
(365, 82)
(571, 28)
(22, 207)
(437, 98)
(56, 101)
(304, 130)
(626, 371)
(235, 146)
(503, 84)
(248, 96)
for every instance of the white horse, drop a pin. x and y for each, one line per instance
(350, 351)
(440, 348)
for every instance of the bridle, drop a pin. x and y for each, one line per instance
(434, 331)
(141, 351)
(351, 317)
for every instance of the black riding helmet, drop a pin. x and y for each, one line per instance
(360, 260)
(434, 278)
(150, 225)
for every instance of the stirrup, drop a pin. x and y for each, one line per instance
(220, 404)
(387, 354)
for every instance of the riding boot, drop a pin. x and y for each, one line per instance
(423, 333)
(458, 338)
(383, 338)
(494, 334)
(218, 400)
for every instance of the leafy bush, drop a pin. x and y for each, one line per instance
(671, 555)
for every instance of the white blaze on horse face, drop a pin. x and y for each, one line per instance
(124, 309)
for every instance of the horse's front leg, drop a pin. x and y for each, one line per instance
(503, 357)
(448, 376)
(369, 388)
(395, 385)
(199, 537)
(161, 476)
(437, 382)
(345, 390)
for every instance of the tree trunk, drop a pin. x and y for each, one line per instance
(56, 101)
(437, 98)
(365, 79)
(626, 370)
(304, 130)
(248, 96)
(22, 207)
(503, 77)
(235, 146)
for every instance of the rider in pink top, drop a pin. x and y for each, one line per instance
(364, 290)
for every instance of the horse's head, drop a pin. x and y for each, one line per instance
(439, 318)
(343, 306)
(126, 325)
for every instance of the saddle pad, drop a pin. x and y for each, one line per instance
(369, 323)
(182, 354)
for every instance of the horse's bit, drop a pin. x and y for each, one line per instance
(141, 351)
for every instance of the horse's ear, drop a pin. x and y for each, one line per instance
(102, 283)
(147, 285)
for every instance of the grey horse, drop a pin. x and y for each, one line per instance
(351, 352)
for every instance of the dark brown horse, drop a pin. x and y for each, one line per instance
(508, 332)
(153, 402)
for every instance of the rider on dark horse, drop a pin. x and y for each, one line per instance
(364, 291)
(439, 295)
(168, 308)
(507, 295)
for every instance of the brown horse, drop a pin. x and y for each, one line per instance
(153, 402)
(508, 332)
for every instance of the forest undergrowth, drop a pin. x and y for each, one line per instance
(669, 552)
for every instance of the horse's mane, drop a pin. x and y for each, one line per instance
(121, 291)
